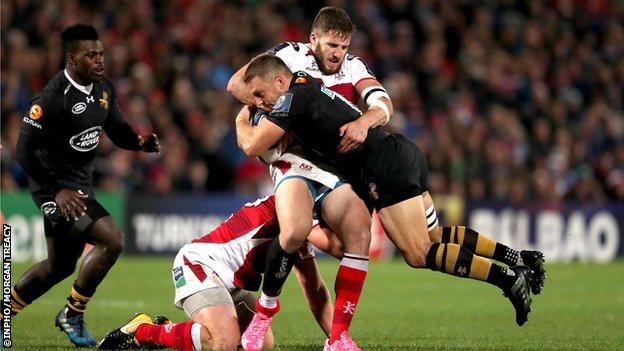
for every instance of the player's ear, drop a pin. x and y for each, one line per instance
(70, 59)
(313, 38)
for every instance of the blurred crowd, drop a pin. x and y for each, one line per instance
(510, 100)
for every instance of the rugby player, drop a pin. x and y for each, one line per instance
(213, 276)
(56, 147)
(326, 58)
(390, 172)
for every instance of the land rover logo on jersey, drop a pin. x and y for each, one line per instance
(48, 208)
(79, 108)
(86, 140)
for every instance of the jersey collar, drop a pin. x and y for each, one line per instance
(84, 88)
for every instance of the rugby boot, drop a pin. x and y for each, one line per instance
(253, 337)
(535, 261)
(345, 343)
(122, 338)
(519, 294)
(75, 328)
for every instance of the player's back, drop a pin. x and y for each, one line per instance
(315, 114)
(236, 249)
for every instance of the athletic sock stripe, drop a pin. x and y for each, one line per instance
(78, 296)
(443, 263)
(432, 225)
(446, 234)
(358, 264)
(355, 257)
(470, 239)
(75, 308)
(17, 298)
(464, 259)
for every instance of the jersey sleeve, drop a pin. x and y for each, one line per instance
(37, 124)
(43, 115)
(117, 129)
(359, 70)
(288, 107)
(287, 51)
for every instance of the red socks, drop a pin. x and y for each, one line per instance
(176, 336)
(348, 287)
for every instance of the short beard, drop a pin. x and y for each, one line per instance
(321, 64)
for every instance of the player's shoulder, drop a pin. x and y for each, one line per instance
(356, 62)
(290, 47)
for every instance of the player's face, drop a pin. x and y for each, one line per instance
(266, 90)
(87, 60)
(330, 50)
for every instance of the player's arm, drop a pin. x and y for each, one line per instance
(254, 140)
(379, 111)
(122, 134)
(315, 292)
(237, 87)
(37, 125)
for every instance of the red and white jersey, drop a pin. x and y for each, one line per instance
(235, 250)
(299, 57)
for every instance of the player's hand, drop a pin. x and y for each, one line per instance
(149, 143)
(244, 114)
(71, 203)
(353, 135)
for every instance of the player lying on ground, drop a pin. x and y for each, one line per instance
(56, 147)
(389, 171)
(213, 277)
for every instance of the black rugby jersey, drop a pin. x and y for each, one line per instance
(61, 131)
(314, 114)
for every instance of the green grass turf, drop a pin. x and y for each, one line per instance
(581, 308)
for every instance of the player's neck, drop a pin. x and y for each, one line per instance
(76, 78)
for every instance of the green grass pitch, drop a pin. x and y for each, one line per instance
(581, 308)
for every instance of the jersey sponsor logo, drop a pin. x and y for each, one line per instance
(104, 100)
(48, 208)
(35, 112)
(328, 92)
(305, 167)
(282, 105)
(372, 191)
(86, 140)
(301, 80)
(31, 122)
(90, 99)
(79, 108)
(178, 277)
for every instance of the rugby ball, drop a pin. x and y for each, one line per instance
(272, 154)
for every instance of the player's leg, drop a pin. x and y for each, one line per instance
(409, 233)
(484, 246)
(108, 243)
(294, 205)
(346, 214)
(63, 253)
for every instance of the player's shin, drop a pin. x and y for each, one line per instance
(480, 244)
(279, 263)
(459, 261)
(348, 288)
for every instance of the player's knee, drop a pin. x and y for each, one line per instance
(115, 245)
(358, 243)
(294, 237)
(416, 257)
